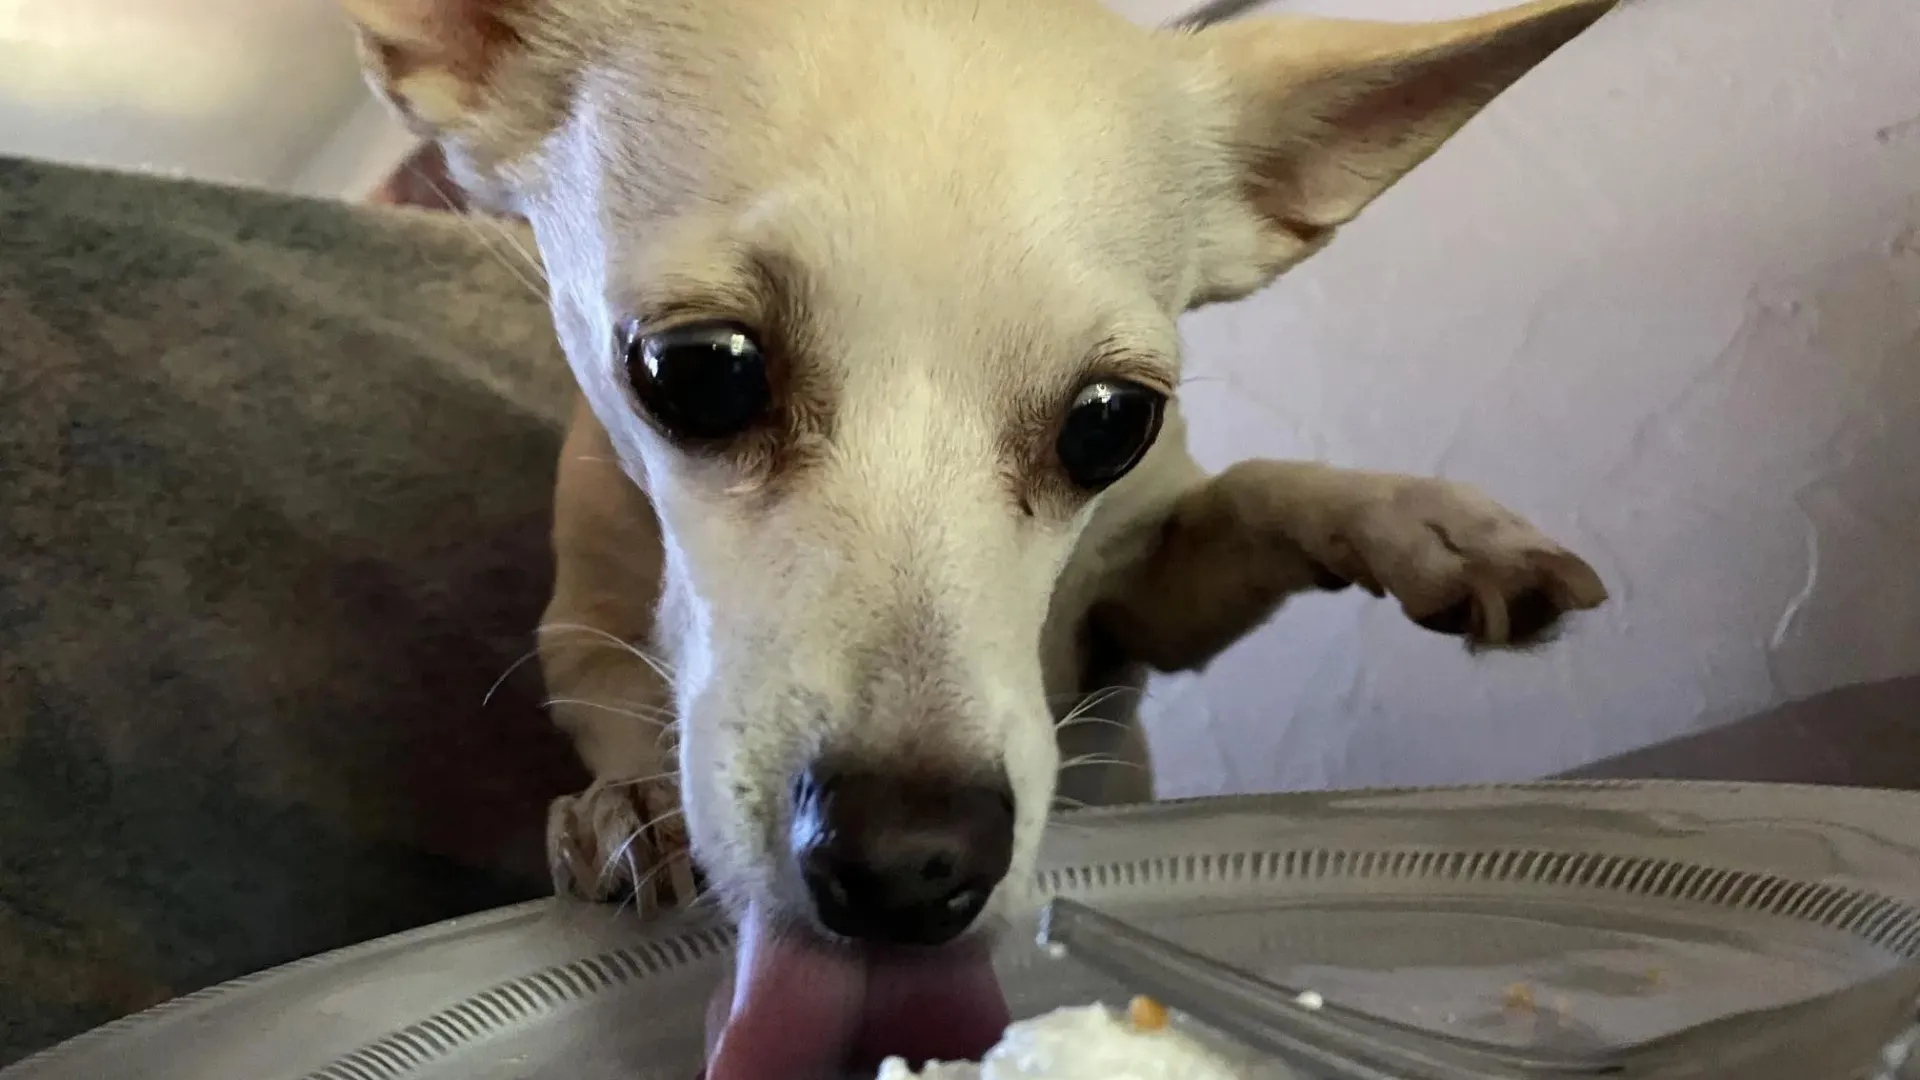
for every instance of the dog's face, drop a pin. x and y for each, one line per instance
(877, 300)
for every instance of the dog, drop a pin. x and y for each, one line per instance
(876, 511)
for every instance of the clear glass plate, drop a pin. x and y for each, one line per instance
(1556, 914)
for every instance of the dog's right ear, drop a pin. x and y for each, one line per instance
(433, 60)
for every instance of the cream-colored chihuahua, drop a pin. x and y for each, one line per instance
(879, 468)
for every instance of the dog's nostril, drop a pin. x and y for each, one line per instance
(810, 784)
(901, 859)
(830, 887)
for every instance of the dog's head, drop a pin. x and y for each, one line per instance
(877, 300)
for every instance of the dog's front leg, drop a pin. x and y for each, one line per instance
(1240, 543)
(624, 834)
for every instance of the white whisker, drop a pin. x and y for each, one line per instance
(528, 270)
(1086, 760)
(487, 698)
(1103, 693)
(1077, 721)
(511, 238)
(534, 282)
(1079, 714)
(670, 774)
(660, 667)
(621, 854)
(603, 639)
(680, 862)
(624, 853)
(635, 714)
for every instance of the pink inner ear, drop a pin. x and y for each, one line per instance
(1378, 102)
(1368, 133)
(461, 37)
(421, 181)
(421, 21)
(481, 21)
(1424, 94)
(1449, 85)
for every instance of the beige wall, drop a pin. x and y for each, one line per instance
(1665, 299)
(257, 92)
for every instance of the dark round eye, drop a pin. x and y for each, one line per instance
(1108, 430)
(702, 381)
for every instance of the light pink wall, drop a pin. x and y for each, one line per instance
(1664, 299)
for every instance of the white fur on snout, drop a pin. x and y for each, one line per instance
(887, 606)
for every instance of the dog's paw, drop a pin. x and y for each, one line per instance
(1460, 563)
(620, 840)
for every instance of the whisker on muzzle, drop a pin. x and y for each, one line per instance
(660, 667)
(1067, 804)
(602, 639)
(519, 662)
(1078, 714)
(687, 884)
(1077, 721)
(1087, 697)
(679, 867)
(1097, 698)
(657, 717)
(623, 855)
(1088, 760)
(517, 260)
(672, 775)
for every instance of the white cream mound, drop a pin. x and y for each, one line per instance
(1090, 1042)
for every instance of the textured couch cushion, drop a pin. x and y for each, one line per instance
(274, 499)
(1856, 736)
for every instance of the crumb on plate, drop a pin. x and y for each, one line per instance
(1146, 1014)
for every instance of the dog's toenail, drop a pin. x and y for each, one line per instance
(1455, 620)
(1327, 580)
(1531, 614)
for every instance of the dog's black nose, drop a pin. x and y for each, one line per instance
(905, 859)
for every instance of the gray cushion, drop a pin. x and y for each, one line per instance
(275, 482)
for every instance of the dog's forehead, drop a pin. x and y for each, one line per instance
(976, 283)
(941, 137)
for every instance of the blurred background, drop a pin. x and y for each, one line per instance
(257, 92)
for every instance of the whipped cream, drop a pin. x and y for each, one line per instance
(1090, 1042)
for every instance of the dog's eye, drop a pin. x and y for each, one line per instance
(1108, 430)
(701, 381)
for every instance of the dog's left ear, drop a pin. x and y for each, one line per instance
(433, 60)
(1325, 114)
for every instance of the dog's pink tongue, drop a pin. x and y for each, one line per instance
(931, 1006)
(797, 1010)
(794, 1012)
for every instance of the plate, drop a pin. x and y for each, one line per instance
(1565, 915)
